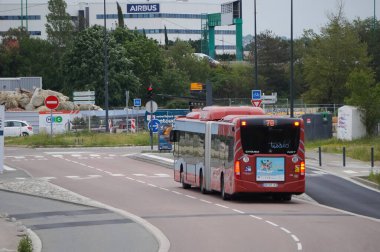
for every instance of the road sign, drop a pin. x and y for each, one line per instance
(154, 125)
(137, 102)
(151, 106)
(256, 95)
(51, 102)
(256, 103)
(84, 97)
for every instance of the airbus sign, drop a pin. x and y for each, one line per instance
(141, 8)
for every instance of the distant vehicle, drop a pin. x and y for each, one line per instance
(202, 56)
(17, 128)
(239, 150)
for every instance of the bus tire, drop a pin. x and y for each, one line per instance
(287, 197)
(201, 185)
(225, 196)
(184, 185)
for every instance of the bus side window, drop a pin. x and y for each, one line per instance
(174, 136)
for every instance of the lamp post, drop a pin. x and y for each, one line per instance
(291, 62)
(255, 54)
(105, 69)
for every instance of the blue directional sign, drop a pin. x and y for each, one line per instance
(137, 102)
(154, 125)
(256, 94)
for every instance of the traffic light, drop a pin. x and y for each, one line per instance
(149, 93)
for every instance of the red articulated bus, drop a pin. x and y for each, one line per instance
(239, 150)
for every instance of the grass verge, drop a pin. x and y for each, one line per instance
(359, 149)
(83, 139)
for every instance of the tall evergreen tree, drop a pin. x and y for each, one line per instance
(59, 26)
(120, 15)
(166, 38)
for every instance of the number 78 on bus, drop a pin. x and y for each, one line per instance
(235, 150)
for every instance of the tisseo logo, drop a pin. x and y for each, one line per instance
(140, 8)
(56, 119)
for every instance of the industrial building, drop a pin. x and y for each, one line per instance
(183, 19)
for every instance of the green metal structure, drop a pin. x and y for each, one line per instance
(208, 34)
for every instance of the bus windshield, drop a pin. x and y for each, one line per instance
(263, 136)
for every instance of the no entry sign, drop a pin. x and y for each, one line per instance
(51, 102)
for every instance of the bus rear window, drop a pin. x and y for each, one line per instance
(260, 138)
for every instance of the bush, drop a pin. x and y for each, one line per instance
(25, 245)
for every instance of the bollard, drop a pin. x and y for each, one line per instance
(372, 157)
(320, 156)
(344, 156)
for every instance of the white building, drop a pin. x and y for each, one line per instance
(182, 18)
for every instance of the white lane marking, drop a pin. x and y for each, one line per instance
(7, 168)
(65, 152)
(19, 157)
(177, 192)
(99, 169)
(169, 160)
(238, 211)
(285, 230)
(295, 238)
(140, 181)
(273, 224)
(219, 205)
(139, 175)
(189, 196)
(94, 155)
(152, 185)
(58, 156)
(299, 246)
(48, 178)
(130, 178)
(162, 175)
(162, 188)
(350, 172)
(82, 178)
(256, 217)
(76, 155)
(206, 201)
(117, 175)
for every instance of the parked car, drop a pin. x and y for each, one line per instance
(202, 56)
(17, 128)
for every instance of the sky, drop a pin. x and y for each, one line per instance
(275, 15)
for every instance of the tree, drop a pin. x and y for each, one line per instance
(332, 56)
(120, 15)
(166, 38)
(59, 27)
(273, 60)
(369, 33)
(83, 67)
(365, 94)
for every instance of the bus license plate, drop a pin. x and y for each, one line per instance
(270, 185)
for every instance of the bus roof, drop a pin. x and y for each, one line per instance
(215, 113)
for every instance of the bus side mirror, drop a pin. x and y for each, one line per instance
(174, 136)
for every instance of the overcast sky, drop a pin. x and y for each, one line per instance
(274, 15)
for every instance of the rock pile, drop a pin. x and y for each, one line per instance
(34, 101)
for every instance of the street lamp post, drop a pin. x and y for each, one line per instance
(291, 62)
(255, 54)
(105, 68)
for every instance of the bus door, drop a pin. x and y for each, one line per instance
(207, 143)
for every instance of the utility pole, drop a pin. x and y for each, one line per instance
(291, 62)
(105, 68)
(255, 54)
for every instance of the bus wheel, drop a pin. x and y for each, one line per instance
(287, 197)
(184, 185)
(225, 196)
(202, 186)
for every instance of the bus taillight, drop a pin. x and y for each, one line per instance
(237, 168)
(296, 123)
(302, 168)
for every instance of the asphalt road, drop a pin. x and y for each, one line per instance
(193, 221)
(340, 193)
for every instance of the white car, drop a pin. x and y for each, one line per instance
(202, 56)
(17, 128)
